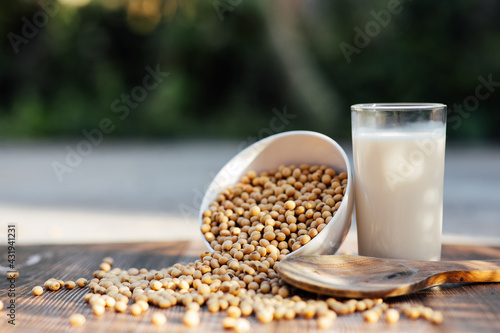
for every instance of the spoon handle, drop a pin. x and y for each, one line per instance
(462, 271)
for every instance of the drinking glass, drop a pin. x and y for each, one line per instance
(398, 153)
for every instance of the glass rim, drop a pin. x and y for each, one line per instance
(397, 106)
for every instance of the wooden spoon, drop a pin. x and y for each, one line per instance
(359, 277)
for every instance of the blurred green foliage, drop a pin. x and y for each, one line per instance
(228, 64)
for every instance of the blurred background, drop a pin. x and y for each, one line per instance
(119, 111)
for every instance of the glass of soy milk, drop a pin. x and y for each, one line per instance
(398, 153)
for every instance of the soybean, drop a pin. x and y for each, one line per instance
(54, 286)
(81, 282)
(158, 319)
(69, 284)
(392, 316)
(37, 290)
(191, 318)
(77, 319)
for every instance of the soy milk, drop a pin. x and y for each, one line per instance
(399, 189)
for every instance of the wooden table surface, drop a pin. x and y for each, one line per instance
(466, 308)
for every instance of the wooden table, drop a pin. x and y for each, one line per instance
(466, 308)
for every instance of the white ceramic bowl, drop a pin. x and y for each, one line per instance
(294, 147)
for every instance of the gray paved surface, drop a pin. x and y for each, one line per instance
(154, 179)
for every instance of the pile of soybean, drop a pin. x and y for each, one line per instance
(251, 227)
